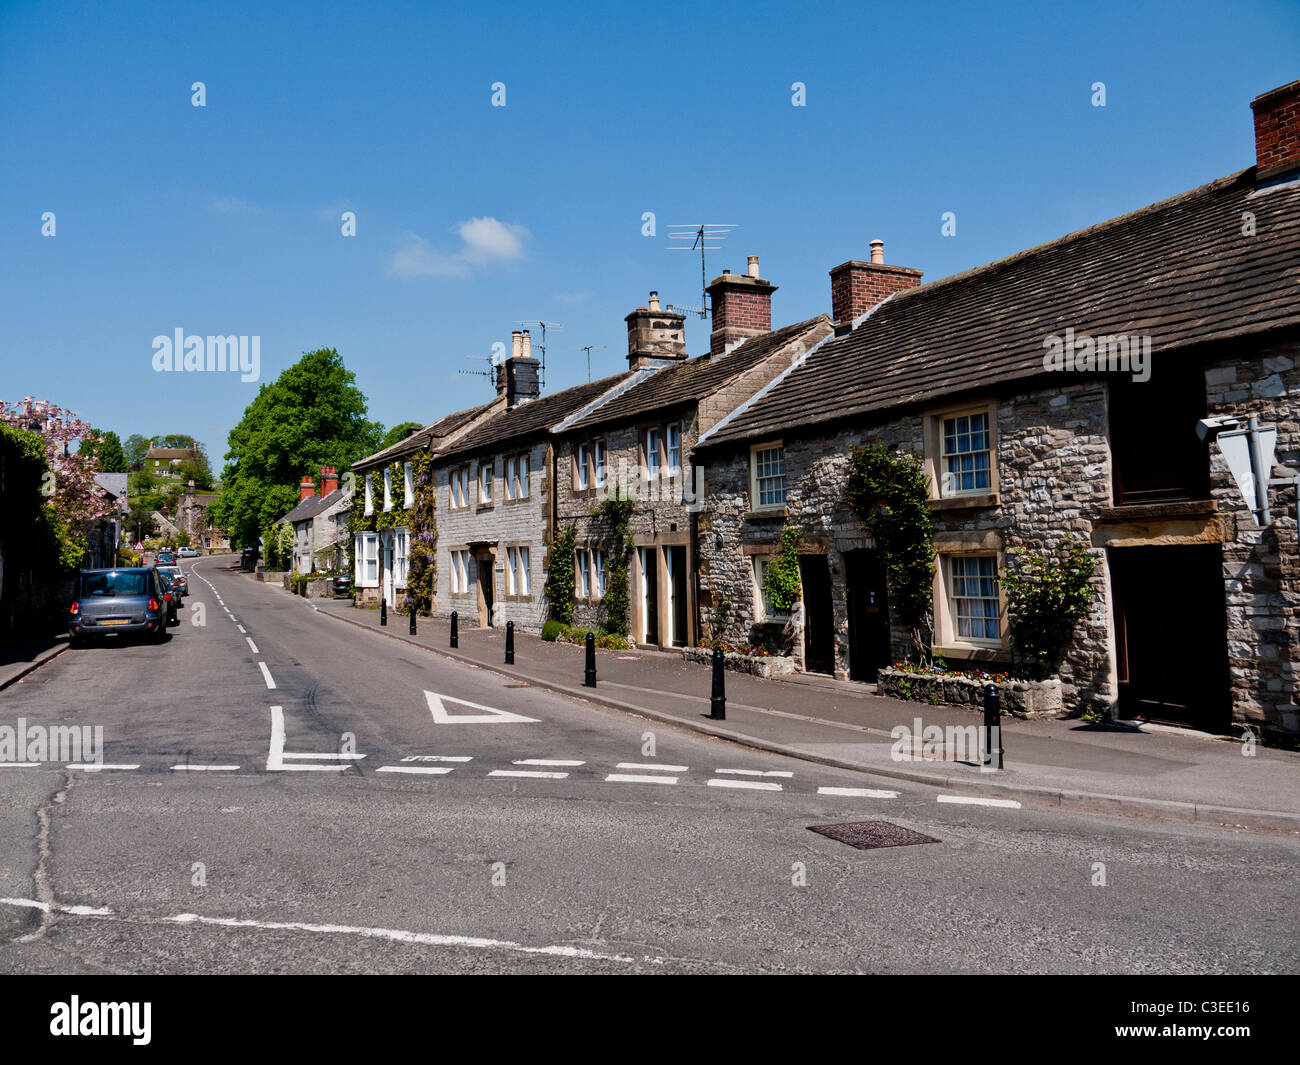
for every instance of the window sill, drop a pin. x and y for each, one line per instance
(1198, 508)
(768, 514)
(970, 652)
(970, 502)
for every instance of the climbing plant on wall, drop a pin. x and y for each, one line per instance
(889, 492)
(781, 581)
(421, 520)
(1048, 594)
(559, 574)
(615, 513)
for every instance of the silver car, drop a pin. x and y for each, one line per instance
(118, 601)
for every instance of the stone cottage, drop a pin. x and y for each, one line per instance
(636, 445)
(320, 524)
(1135, 384)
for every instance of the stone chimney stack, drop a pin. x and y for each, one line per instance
(742, 308)
(1277, 132)
(519, 372)
(329, 480)
(307, 488)
(856, 287)
(655, 337)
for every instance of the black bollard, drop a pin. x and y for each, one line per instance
(455, 636)
(412, 619)
(383, 611)
(992, 727)
(510, 643)
(718, 703)
(589, 681)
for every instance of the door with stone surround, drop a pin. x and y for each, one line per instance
(818, 615)
(868, 610)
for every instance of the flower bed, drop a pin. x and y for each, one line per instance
(758, 664)
(1019, 698)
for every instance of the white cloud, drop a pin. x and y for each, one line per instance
(483, 240)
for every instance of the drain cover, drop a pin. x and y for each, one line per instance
(869, 835)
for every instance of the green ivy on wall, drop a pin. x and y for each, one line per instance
(1047, 596)
(421, 521)
(781, 581)
(559, 575)
(615, 512)
(890, 494)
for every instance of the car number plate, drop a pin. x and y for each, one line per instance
(114, 621)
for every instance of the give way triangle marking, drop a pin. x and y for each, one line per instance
(489, 716)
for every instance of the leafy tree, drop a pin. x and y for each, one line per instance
(312, 415)
(178, 441)
(197, 470)
(397, 434)
(135, 448)
(108, 451)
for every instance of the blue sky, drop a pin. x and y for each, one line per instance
(225, 219)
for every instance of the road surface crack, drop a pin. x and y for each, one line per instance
(42, 888)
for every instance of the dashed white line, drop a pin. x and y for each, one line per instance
(658, 768)
(547, 761)
(752, 785)
(536, 774)
(242, 629)
(634, 778)
(252, 645)
(438, 758)
(757, 772)
(270, 683)
(859, 793)
(426, 770)
(91, 767)
(19, 765)
(972, 800)
(206, 768)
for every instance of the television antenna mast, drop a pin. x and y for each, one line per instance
(489, 373)
(541, 382)
(589, 348)
(704, 236)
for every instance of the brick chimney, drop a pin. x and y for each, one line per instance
(742, 307)
(520, 371)
(329, 480)
(856, 286)
(1277, 132)
(655, 337)
(307, 488)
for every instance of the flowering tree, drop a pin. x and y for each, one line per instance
(69, 482)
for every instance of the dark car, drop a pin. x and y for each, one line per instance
(167, 557)
(248, 558)
(181, 587)
(341, 586)
(171, 596)
(118, 601)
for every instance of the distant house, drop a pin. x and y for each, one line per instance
(104, 534)
(320, 524)
(162, 461)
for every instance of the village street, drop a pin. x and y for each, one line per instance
(282, 792)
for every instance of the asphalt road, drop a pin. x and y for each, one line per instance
(347, 822)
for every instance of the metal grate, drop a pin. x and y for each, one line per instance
(870, 835)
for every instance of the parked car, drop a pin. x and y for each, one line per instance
(116, 602)
(248, 559)
(341, 586)
(171, 596)
(182, 586)
(166, 557)
(188, 552)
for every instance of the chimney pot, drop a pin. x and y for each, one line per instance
(753, 266)
(654, 301)
(877, 251)
(1277, 132)
(526, 348)
(726, 271)
(516, 343)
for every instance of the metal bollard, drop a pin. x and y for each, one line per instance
(412, 619)
(510, 643)
(455, 635)
(383, 611)
(718, 703)
(589, 681)
(992, 755)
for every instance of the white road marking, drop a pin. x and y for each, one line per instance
(267, 674)
(859, 793)
(242, 629)
(19, 765)
(660, 768)
(206, 768)
(546, 761)
(90, 767)
(753, 785)
(429, 770)
(45, 907)
(536, 774)
(438, 758)
(634, 778)
(252, 645)
(971, 800)
(489, 716)
(275, 755)
(324, 757)
(757, 772)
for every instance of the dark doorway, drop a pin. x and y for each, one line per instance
(485, 590)
(869, 647)
(675, 558)
(650, 596)
(1171, 634)
(818, 618)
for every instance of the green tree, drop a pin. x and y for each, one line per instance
(198, 470)
(397, 434)
(312, 415)
(178, 440)
(135, 448)
(108, 451)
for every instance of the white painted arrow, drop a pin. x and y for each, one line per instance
(489, 716)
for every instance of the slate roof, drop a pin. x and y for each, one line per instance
(692, 380)
(1180, 271)
(421, 438)
(533, 418)
(113, 483)
(309, 508)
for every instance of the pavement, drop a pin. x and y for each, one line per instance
(24, 656)
(1165, 774)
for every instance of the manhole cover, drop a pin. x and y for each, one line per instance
(869, 835)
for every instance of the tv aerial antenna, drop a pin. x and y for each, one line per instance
(703, 237)
(541, 377)
(589, 348)
(490, 373)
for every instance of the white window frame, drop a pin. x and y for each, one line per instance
(762, 608)
(581, 474)
(525, 471)
(370, 495)
(408, 487)
(512, 563)
(755, 479)
(388, 489)
(367, 553)
(524, 583)
(653, 458)
(486, 476)
(401, 556)
(599, 470)
(955, 617)
(512, 471)
(600, 568)
(946, 479)
(584, 572)
(674, 467)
